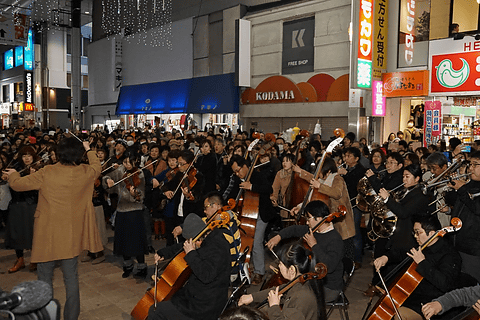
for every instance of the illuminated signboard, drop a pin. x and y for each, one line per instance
(8, 59)
(433, 122)
(28, 85)
(29, 51)
(364, 55)
(410, 36)
(378, 99)
(18, 56)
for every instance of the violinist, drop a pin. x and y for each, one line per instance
(467, 208)
(185, 189)
(439, 264)
(22, 208)
(119, 151)
(352, 174)
(326, 244)
(206, 291)
(130, 237)
(159, 166)
(207, 165)
(300, 301)
(163, 209)
(260, 184)
(281, 183)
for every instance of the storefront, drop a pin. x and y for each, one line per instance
(455, 81)
(196, 102)
(405, 94)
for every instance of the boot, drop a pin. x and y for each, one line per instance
(19, 264)
(32, 267)
(156, 228)
(141, 273)
(127, 271)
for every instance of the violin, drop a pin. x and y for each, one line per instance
(400, 290)
(189, 182)
(319, 273)
(134, 177)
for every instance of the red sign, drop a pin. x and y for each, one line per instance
(432, 128)
(405, 84)
(365, 30)
(29, 106)
(456, 72)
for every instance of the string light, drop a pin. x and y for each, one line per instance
(147, 22)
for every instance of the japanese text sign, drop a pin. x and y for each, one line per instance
(433, 122)
(364, 54)
(378, 100)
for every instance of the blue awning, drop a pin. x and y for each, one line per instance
(212, 94)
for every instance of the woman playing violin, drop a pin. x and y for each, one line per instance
(439, 264)
(167, 213)
(130, 238)
(19, 234)
(300, 301)
(326, 244)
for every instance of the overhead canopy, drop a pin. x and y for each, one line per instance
(212, 94)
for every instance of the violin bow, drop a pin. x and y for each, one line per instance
(131, 174)
(186, 171)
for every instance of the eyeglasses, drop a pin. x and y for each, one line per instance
(392, 162)
(474, 164)
(417, 233)
(181, 164)
(207, 206)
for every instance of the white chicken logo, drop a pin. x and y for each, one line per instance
(450, 78)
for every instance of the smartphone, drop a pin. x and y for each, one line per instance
(84, 131)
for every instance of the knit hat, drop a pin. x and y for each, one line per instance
(192, 226)
(122, 142)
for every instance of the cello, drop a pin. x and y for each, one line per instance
(401, 289)
(310, 192)
(175, 274)
(247, 207)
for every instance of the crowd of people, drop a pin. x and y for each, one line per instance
(151, 183)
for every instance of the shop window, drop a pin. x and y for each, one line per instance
(69, 80)
(465, 14)
(6, 93)
(85, 43)
(69, 44)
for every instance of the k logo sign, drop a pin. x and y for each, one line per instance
(297, 38)
(450, 78)
(458, 72)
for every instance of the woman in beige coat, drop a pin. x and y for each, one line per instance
(65, 218)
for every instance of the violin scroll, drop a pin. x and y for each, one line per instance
(321, 270)
(456, 223)
(339, 133)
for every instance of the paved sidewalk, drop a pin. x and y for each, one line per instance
(105, 295)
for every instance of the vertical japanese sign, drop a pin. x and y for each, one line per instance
(380, 28)
(118, 65)
(378, 99)
(364, 54)
(407, 29)
(433, 122)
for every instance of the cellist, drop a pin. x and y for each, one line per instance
(260, 184)
(206, 291)
(439, 264)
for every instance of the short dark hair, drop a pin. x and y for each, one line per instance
(295, 255)
(415, 170)
(354, 151)
(243, 313)
(437, 158)
(396, 156)
(475, 155)
(215, 197)
(70, 151)
(132, 157)
(187, 155)
(378, 150)
(239, 160)
(317, 209)
(329, 165)
(289, 156)
(174, 154)
(428, 223)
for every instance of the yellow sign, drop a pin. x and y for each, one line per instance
(380, 29)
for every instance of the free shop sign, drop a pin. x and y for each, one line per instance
(454, 66)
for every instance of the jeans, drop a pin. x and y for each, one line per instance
(70, 278)
(258, 252)
(357, 240)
